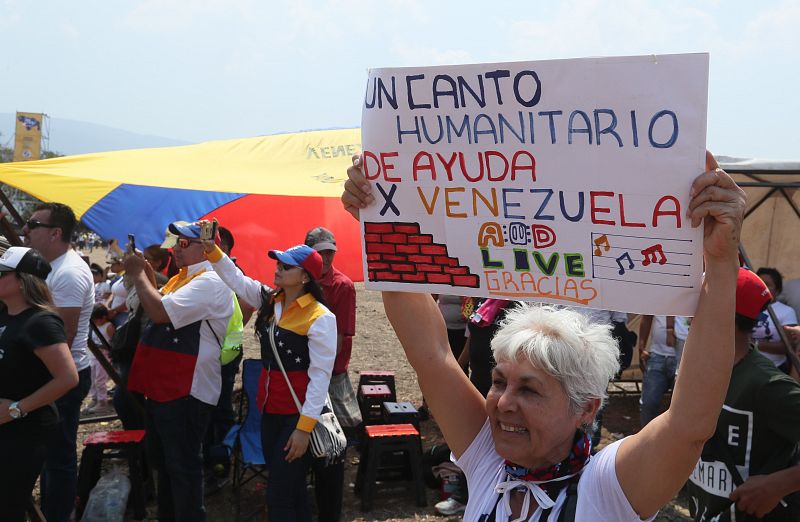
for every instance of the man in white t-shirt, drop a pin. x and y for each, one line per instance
(765, 333)
(49, 230)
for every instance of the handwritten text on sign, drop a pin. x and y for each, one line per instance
(561, 181)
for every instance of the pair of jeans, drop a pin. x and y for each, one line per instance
(59, 481)
(287, 495)
(175, 432)
(658, 378)
(222, 418)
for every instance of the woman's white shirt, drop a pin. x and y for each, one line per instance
(600, 496)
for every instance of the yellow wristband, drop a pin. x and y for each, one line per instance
(215, 255)
(306, 424)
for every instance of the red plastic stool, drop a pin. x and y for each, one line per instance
(377, 377)
(370, 400)
(384, 444)
(119, 444)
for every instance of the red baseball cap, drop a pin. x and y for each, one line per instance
(752, 295)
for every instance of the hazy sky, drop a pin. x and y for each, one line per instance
(200, 70)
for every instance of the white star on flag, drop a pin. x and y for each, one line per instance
(297, 360)
(175, 340)
(280, 343)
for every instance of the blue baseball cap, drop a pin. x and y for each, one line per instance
(182, 228)
(301, 255)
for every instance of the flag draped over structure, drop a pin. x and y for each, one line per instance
(268, 191)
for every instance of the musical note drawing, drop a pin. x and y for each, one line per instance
(601, 241)
(665, 261)
(627, 257)
(650, 253)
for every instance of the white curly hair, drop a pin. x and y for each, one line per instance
(581, 355)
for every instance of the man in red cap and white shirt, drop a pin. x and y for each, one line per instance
(749, 469)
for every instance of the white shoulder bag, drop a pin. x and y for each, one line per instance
(327, 438)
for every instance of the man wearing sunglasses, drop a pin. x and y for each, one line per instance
(49, 230)
(177, 367)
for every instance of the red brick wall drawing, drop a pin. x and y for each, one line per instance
(401, 253)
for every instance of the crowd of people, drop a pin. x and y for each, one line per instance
(171, 319)
(518, 390)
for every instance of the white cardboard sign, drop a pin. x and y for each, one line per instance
(563, 181)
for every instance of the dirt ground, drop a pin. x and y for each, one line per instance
(375, 347)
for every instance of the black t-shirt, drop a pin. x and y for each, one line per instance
(758, 433)
(21, 371)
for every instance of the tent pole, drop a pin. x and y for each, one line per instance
(787, 345)
(790, 202)
(8, 231)
(101, 358)
(11, 209)
(759, 202)
(109, 368)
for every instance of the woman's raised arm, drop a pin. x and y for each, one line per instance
(244, 287)
(459, 408)
(669, 446)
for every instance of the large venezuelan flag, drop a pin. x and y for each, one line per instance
(269, 191)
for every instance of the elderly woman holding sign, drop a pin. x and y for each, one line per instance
(525, 448)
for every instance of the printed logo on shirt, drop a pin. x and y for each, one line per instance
(714, 477)
(703, 517)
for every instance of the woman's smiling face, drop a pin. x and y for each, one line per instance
(532, 421)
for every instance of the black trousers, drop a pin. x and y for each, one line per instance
(175, 432)
(328, 486)
(23, 447)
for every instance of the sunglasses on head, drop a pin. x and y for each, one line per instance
(185, 243)
(284, 266)
(33, 224)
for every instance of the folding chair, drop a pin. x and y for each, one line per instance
(244, 439)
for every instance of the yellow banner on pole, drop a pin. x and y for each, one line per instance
(28, 136)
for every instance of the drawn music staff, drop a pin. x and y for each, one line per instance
(601, 241)
(627, 257)
(650, 254)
